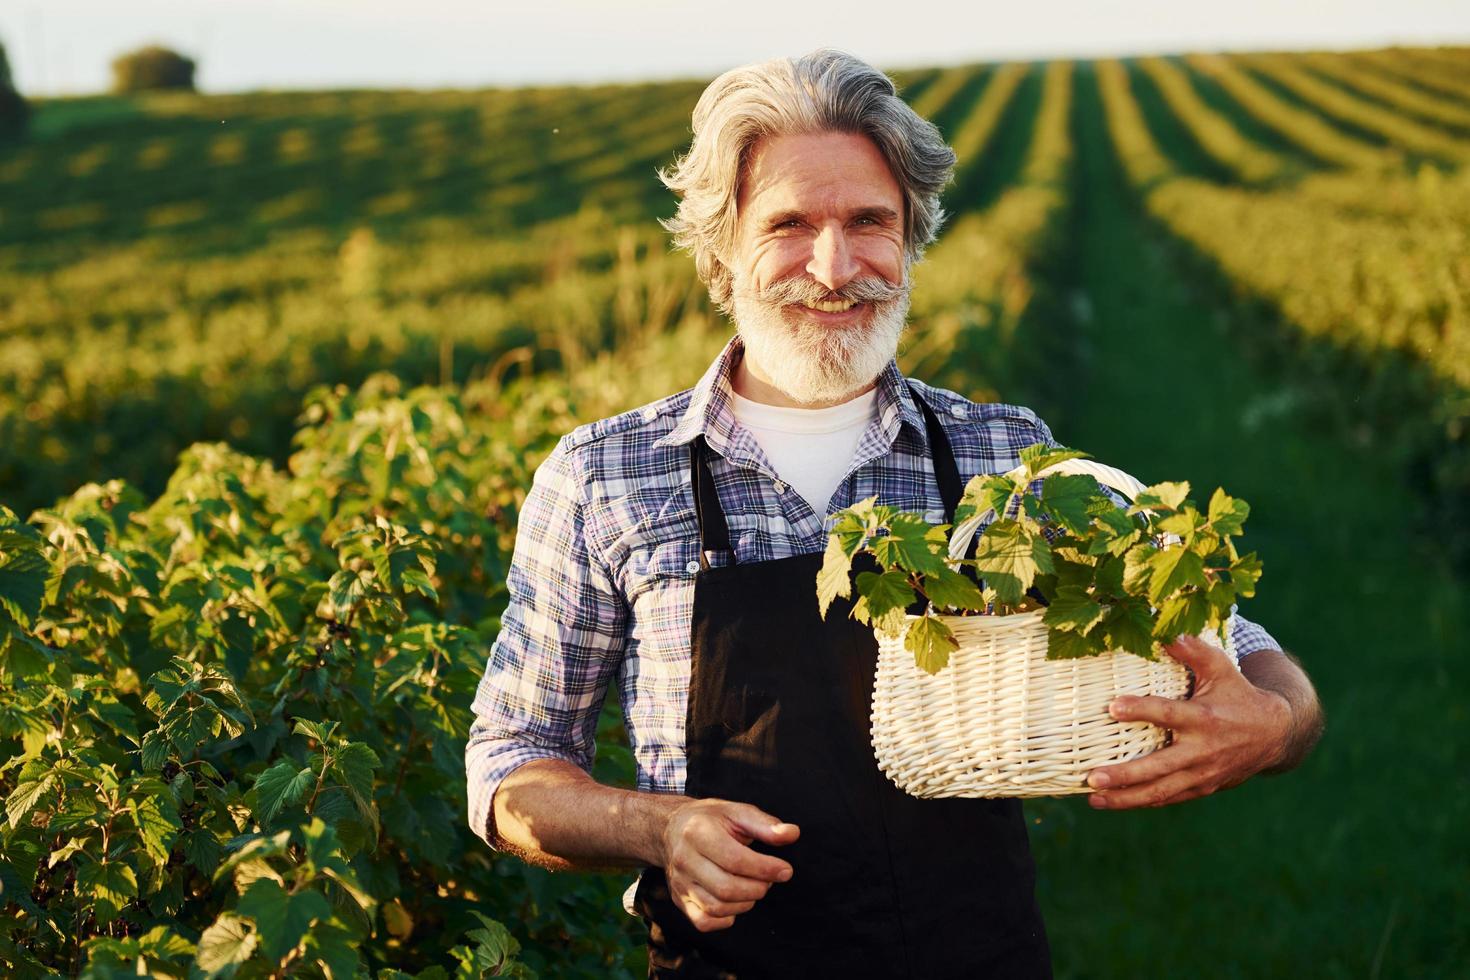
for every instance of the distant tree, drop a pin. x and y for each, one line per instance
(14, 112)
(150, 68)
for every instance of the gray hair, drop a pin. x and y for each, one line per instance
(825, 91)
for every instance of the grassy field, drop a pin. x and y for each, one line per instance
(1251, 271)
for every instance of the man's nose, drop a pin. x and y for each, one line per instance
(832, 263)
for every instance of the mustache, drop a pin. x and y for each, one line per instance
(868, 289)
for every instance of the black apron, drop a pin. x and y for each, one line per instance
(883, 884)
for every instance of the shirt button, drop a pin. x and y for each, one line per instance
(650, 413)
(780, 487)
(692, 567)
(958, 411)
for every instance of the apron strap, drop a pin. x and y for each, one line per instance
(946, 474)
(714, 533)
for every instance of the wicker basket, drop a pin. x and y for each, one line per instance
(1001, 719)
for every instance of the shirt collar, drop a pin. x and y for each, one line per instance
(711, 414)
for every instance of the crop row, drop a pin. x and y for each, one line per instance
(983, 294)
(181, 175)
(1396, 93)
(113, 401)
(1248, 161)
(1382, 122)
(1415, 68)
(1377, 296)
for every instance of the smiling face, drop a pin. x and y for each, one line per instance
(819, 268)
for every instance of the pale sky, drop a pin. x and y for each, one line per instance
(64, 46)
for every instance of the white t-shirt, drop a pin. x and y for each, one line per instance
(809, 448)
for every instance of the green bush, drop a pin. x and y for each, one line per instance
(151, 68)
(14, 111)
(232, 721)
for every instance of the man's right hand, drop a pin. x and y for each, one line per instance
(713, 873)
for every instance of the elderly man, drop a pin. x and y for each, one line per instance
(675, 548)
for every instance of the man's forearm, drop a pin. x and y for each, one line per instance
(1280, 673)
(550, 813)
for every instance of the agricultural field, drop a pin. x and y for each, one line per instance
(276, 370)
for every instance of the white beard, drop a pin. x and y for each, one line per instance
(811, 363)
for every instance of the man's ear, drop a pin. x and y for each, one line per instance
(718, 279)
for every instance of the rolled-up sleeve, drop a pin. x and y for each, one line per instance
(1248, 638)
(559, 645)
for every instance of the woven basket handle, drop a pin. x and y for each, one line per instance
(959, 540)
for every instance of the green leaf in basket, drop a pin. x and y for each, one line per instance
(1138, 569)
(1079, 572)
(908, 545)
(850, 527)
(1067, 498)
(985, 493)
(1227, 515)
(835, 577)
(1244, 573)
(1181, 523)
(1183, 615)
(950, 590)
(1129, 626)
(1115, 531)
(1071, 644)
(885, 600)
(931, 643)
(1039, 456)
(1160, 497)
(1222, 597)
(1109, 579)
(1173, 569)
(1073, 610)
(1010, 555)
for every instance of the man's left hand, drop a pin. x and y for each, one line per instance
(1227, 732)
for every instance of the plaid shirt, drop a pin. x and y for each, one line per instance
(602, 579)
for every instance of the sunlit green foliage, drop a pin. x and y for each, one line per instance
(1109, 579)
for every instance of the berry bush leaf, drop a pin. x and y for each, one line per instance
(1173, 569)
(931, 642)
(885, 599)
(1113, 531)
(1227, 514)
(1245, 572)
(951, 590)
(1010, 556)
(227, 943)
(1073, 610)
(279, 786)
(985, 493)
(1182, 615)
(1129, 626)
(110, 884)
(281, 919)
(907, 546)
(835, 577)
(1071, 644)
(1161, 497)
(1068, 498)
(1039, 456)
